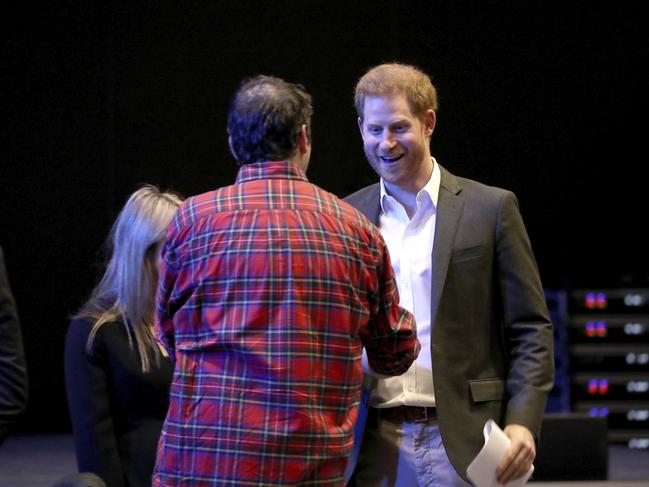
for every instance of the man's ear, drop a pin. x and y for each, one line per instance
(430, 119)
(232, 151)
(303, 143)
(360, 125)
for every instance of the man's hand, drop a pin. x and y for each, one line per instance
(519, 456)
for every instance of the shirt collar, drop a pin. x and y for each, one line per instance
(270, 170)
(431, 188)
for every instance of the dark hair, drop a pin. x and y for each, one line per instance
(265, 118)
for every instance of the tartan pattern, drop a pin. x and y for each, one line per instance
(269, 289)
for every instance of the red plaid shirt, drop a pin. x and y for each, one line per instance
(269, 289)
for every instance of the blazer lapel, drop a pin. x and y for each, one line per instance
(370, 203)
(449, 210)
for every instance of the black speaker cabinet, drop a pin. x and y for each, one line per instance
(573, 446)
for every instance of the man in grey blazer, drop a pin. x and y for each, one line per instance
(465, 267)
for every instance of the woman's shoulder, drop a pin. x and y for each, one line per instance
(80, 327)
(83, 325)
(79, 332)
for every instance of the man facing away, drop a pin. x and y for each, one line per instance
(465, 267)
(269, 290)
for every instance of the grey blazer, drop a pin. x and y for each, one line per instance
(492, 339)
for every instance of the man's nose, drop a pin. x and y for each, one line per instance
(388, 142)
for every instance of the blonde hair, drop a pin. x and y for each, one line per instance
(126, 291)
(393, 78)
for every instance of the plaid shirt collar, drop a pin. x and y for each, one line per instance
(270, 170)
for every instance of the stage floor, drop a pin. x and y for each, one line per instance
(41, 460)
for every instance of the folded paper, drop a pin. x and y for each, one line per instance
(482, 470)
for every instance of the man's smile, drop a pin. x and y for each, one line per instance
(390, 159)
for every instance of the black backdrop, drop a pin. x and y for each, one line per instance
(548, 99)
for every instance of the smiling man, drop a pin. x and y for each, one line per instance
(465, 268)
(396, 143)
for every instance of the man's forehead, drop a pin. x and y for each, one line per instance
(387, 107)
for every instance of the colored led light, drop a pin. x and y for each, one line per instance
(590, 300)
(602, 302)
(590, 329)
(603, 386)
(601, 329)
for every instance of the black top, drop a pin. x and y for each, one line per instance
(117, 410)
(13, 371)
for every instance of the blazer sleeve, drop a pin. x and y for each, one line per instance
(87, 386)
(527, 325)
(13, 369)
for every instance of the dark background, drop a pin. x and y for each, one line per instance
(548, 99)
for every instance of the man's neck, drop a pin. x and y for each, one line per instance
(407, 198)
(407, 195)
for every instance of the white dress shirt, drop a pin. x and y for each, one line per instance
(410, 243)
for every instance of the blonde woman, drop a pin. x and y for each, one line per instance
(117, 377)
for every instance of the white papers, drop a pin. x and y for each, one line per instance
(482, 470)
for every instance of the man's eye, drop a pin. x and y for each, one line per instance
(374, 130)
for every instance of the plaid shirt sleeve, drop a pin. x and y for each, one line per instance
(391, 337)
(164, 324)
